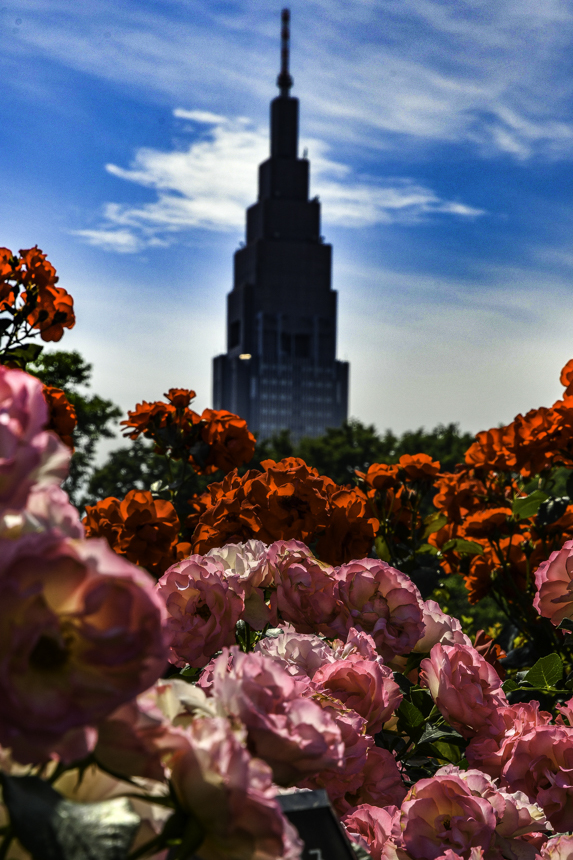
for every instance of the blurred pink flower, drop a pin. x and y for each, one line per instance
(136, 738)
(307, 596)
(465, 688)
(441, 813)
(558, 848)
(541, 766)
(47, 508)
(231, 796)
(554, 597)
(300, 654)
(439, 627)
(491, 752)
(28, 454)
(293, 734)
(381, 601)
(381, 783)
(203, 609)
(374, 826)
(366, 686)
(250, 571)
(81, 631)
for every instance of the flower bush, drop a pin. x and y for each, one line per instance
(170, 675)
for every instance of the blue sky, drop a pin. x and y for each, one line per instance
(440, 134)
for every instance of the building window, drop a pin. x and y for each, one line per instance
(302, 345)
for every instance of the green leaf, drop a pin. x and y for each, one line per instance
(566, 624)
(509, 686)
(448, 751)
(547, 672)
(460, 545)
(409, 714)
(381, 547)
(427, 548)
(437, 733)
(433, 524)
(528, 506)
(21, 355)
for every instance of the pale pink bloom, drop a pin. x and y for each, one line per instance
(293, 734)
(381, 601)
(203, 609)
(28, 453)
(307, 596)
(281, 553)
(357, 643)
(515, 815)
(541, 766)
(373, 826)
(81, 631)
(381, 783)
(441, 813)
(136, 738)
(48, 508)
(491, 752)
(558, 848)
(300, 654)
(565, 713)
(439, 627)
(251, 572)
(231, 796)
(465, 688)
(554, 598)
(366, 686)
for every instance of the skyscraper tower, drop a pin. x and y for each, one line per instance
(280, 369)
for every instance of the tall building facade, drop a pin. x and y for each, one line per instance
(280, 369)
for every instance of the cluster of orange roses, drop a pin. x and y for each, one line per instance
(286, 500)
(30, 302)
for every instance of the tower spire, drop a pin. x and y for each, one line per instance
(284, 80)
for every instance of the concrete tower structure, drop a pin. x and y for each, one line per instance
(280, 369)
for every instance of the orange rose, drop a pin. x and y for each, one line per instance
(229, 439)
(63, 418)
(419, 467)
(143, 529)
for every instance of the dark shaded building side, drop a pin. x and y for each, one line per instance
(280, 369)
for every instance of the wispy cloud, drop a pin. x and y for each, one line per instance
(209, 184)
(494, 73)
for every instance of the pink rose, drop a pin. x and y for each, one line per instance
(374, 826)
(366, 686)
(48, 508)
(291, 733)
(136, 738)
(441, 813)
(357, 643)
(339, 780)
(383, 602)
(558, 848)
(250, 572)
(465, 688)
(307, 596)
(381, 783)
(28, 453)
(203, 609)
(81, 631)
(491, 752)
(541, 766)
(439, 627)
(300, 654)
(554, 598)
(231, 796)
(281, 553)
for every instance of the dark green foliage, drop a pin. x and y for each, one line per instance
(96, 416)
(355, 445)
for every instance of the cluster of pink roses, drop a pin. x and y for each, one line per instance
(308, 701)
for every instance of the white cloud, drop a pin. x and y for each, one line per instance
(209, 184)
(495, 73)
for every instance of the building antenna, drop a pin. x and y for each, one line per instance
(284, 80)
